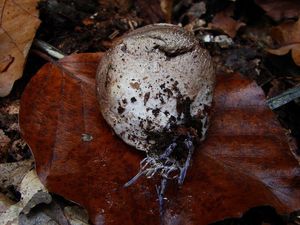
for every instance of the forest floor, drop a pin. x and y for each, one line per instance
(258, 39)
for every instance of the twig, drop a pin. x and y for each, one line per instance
(76, 76)
(284, 98)
(49, 49)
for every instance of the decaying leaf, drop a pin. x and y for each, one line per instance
(244, 162)
(294, 48)
(287, 35)
(167, 7)
(32, 193)
(36, 219)
(278, 9)
(55, 214)
(12, 174)
(18, 24)
(224, 21)
(76, 215)
(5, 203)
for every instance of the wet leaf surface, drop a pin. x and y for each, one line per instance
(15, 42)
(244, 162)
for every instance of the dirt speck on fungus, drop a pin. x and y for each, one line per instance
(135, 85)
(120, 109)
(146, 97)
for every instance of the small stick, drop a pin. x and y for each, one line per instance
(284, 98)
(49, 49)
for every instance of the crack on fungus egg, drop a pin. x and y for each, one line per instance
(171, 53)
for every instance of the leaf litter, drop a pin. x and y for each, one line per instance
(15, 45)
(34, 205)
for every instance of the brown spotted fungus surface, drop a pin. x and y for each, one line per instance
(155, 80)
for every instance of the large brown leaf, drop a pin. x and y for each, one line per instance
(244, 162)
(18, 24)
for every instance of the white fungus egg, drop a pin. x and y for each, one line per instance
(155, 89)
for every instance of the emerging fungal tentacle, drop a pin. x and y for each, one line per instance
(190, 147)
(168, 151)
(167, 167)
(165, 164)
(161, 195)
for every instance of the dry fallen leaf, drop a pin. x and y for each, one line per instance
(76, 215)
(278, 9)
(167, 7)
(294, 48)
(55, 214)
(5, 203)
(18, 24)
(287, 35)
(32, 193)
(245, 161)
(224, 21)
(13, 173)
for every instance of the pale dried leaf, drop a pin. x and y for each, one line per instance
(32, 193)
(51, 214)
(18, 24)
(11, 174)
(5, 203)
